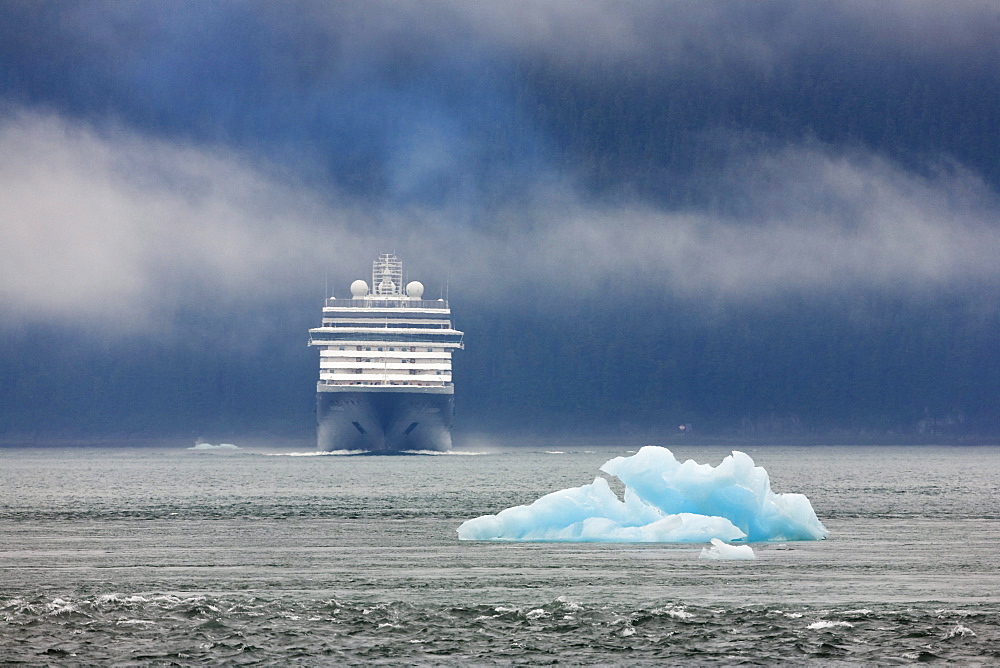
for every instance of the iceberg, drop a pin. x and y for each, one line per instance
(665, 501)
(212, 447)
(722, 550)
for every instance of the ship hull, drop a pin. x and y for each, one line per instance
(383, 421)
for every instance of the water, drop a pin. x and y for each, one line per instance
(157, 556)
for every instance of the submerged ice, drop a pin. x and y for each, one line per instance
(665, 501)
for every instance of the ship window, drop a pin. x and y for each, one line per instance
(368, 348)
(380, 350)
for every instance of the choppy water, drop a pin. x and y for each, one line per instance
(157, 556)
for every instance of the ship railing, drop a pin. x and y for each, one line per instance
(388, 302)
(393, 383)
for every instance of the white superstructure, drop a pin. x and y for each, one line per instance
(386, 337)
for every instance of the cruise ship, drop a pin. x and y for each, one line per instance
(385, 366)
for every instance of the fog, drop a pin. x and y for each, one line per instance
(117, 228)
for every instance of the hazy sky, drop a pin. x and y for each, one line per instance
(158, 156)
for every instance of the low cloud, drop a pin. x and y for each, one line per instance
(702, 35)
(118, 229)
(114, 230)
(808, 220)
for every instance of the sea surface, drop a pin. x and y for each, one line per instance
(260, 556)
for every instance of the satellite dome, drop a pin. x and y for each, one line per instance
(414, 289)
(359, 289)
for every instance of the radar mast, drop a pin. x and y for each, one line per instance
(387, 275)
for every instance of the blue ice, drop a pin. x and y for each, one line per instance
(665, 501)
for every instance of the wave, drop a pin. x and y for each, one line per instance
(353, 453)
(316, 453)
(446, 453)
(220, 628)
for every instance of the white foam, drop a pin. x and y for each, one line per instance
(135, 622)
(824, 624)
(115, 598)
(569, 604)
(960, 613)
(59, 606)
(665, 501)
(677, 612)
(960, 631)
(351, 453)
(444, 453)
(317, 453)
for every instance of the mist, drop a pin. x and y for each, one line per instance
(125, 230)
